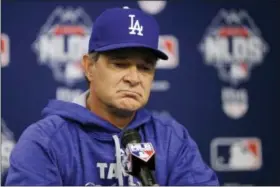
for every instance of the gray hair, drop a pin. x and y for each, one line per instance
(94, 56)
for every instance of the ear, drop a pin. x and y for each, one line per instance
(87, 65)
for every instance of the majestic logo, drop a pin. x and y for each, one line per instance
(236, 154)
(135, 26)
(62, 41)
(7, 145)
(5, 50)
(233, 44)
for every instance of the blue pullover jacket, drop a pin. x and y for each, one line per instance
(71, 146)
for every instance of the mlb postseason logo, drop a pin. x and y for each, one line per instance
(143, 151)
(233, 44)
(62, 41)
(5, 50)
(236, 154)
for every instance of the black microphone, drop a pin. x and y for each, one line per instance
(140, 157)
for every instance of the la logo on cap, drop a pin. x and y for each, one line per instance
(135, 26)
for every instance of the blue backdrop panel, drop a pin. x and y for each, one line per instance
(221, 81)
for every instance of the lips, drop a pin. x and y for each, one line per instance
(130, 93)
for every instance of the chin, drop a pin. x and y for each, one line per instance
(129, 108)
(124, 111)
(129, 105)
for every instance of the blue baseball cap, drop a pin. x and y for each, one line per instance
(118, 28)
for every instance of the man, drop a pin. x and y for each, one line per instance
(77, 143)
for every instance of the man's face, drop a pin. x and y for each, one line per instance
(123, 78)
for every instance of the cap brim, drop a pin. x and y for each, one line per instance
(157, 52)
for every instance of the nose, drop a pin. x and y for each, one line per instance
(132, 76)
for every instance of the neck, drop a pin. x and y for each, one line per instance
(115, 116)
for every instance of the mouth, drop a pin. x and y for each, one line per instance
(129, 93)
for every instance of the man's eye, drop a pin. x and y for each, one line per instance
(120, 65)
(146, 68)
(118, 58)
